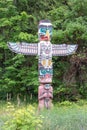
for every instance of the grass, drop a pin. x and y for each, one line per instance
(66, 118)
(63, 116)
(2, 113)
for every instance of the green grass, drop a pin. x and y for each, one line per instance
(66, 116)
(2, 113)
(63, 116)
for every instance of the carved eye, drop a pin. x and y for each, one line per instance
(49, 47)
(44, 47)
(43, 30)
(50, 29)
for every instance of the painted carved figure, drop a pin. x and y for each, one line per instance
(45, 95)
(45, 50)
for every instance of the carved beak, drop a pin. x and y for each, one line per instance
(47, 35)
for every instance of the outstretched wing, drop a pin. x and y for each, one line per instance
(63, 49)
(24, 48)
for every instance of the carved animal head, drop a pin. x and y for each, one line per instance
(45, 30)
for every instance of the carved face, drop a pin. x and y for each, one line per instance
(47, 86)
(45, 30)
(46, 49)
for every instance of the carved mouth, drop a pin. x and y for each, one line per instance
(47, 51)
(46, 38)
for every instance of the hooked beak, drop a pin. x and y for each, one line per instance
(47, 35)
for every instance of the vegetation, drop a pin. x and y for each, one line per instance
(22, 118)
(63, 116)
(19, 22)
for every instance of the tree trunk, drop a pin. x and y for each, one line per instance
(31, 96)
(24, 98)
(18, 99)
(7, 97)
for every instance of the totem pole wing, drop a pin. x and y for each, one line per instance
(63, 49)
(24, 48)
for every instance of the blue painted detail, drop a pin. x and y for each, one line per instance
(44, 71)
(44, 29)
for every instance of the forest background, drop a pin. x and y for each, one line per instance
(19, 73)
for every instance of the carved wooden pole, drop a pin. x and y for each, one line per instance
(45, 50)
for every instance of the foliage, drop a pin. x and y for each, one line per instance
(22, 119)
(65, 116)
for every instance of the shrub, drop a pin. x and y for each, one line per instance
(24, 119)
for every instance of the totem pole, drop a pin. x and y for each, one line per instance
(45, 50)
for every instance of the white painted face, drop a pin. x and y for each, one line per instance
(45, 30)
(46, 48)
